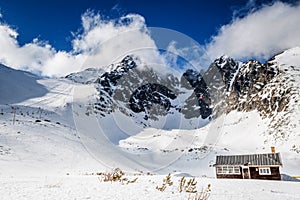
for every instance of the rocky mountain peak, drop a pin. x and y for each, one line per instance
(271, 88)
(226, 86)
(226, 63)
(244, 84)
(150, 95)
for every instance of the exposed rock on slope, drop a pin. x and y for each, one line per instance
(271, 88)
(145, 94)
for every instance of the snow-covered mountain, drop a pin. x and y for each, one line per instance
(271, 89)
(148, 97)
(141, 120)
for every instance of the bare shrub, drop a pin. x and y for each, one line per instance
(116, 175)
(191, 186)
(187, 186)
(181, 184)
(166, 182)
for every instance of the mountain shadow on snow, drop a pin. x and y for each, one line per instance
(17, 86)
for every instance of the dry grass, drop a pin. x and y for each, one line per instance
(203, 195)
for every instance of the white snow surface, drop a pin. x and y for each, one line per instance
(90, 187)
(46, 153)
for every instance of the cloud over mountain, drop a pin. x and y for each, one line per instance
(98, 44)
(259, 34)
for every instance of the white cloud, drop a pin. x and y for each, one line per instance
(108, 41)
(192, 53)
(260, 34)
(100, 43)
(29, 55)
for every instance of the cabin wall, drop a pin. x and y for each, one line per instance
(234, 176)
(275, 174)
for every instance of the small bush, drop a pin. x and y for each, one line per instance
(187, 186)
(113, 176)
(166, 182)
(116, 175)
(191, 186)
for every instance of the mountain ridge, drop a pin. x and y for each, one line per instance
(170, 142)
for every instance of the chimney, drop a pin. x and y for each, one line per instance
(273, 149)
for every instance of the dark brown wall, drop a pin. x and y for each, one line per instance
(275, 174)
(236, 176)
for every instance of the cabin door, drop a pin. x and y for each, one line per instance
(246, 173)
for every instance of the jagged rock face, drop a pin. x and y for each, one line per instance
(246, 87)
(132, 90)
(227, 85)
(217, 78)
(272, 89)
(150, 99)
(228, 68)
(249, 87)
(149, 94)
(193, 80)
(220, 77)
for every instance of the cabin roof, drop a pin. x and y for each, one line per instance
(268, 159)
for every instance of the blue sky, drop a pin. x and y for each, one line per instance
(55, 20)
(54, 38)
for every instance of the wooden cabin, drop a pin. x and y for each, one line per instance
(253, 166)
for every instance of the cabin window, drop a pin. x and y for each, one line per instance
(265, 171)
(228, 170)
(219, 170)
(237, 170)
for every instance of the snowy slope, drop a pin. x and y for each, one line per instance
(17, 86)
(48, 129)
(90, 187)
(133, 147)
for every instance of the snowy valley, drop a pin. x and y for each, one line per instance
(56, 134)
